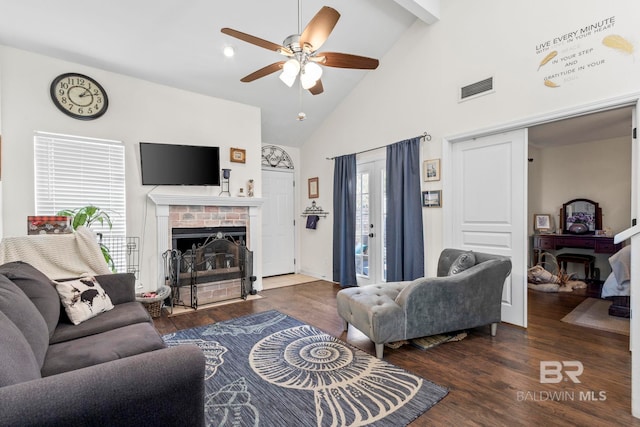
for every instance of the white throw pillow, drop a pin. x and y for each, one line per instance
(83, 298)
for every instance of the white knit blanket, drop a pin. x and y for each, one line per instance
(58, 256)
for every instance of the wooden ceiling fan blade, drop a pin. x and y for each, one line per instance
(317, 89)
(346, 60)
(257, 41)
(319, 28)
(264, 71)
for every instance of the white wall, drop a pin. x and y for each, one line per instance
(138, 111)
(599, 170)
(415, 88)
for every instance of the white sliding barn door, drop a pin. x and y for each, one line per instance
(488, 208)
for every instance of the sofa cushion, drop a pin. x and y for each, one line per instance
(24, 314)
(18, 361)
(83, 298)
(122, 315)
(121, 287)
(38, 287)
(462, 263)
(100, 348)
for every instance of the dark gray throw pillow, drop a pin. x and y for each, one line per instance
(463, 262)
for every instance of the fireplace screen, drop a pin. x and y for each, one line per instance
(221, 257)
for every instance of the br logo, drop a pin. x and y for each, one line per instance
(553, 371)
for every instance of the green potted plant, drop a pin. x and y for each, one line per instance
(88, 215)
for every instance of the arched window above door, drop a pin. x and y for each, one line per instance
(275, 157)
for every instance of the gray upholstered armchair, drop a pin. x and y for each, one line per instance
(428, 306)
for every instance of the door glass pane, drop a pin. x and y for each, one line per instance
(383, 186)
(362, 224)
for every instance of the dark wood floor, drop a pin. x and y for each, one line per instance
(493, 381)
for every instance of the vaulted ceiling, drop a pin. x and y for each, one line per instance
(179, 44)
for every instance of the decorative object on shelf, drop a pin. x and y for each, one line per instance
(314, 209)
(238, 155)
(49, 224)
(250, 188)
(581, 216)
(578, 228)
(542, 223)
(431, 170)
(224, 183)
(432, 199)
(79, 96)
(314, 188)
(241, 192)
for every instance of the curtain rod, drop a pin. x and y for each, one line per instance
(425, 136)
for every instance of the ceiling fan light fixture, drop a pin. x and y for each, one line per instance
(288, 79)
(306, 81)
(313, 71)
(291, 67)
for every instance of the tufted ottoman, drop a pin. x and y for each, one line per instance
(373, 310)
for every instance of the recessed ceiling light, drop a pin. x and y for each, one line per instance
(228, 51)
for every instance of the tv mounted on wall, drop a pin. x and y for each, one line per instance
(171, 164)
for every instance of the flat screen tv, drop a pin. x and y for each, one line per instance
(170, 164)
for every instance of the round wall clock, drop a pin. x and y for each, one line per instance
(79, 96)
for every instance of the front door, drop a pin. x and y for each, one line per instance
(488, 208)
(278, 229)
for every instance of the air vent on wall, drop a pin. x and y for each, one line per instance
(473, 90)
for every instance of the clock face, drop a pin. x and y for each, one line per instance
(79, 96)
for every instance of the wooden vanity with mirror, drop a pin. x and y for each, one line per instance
(581, 220)
(581, 228)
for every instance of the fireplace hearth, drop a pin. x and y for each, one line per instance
(212, 262)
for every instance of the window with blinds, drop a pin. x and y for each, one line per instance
(72, 172)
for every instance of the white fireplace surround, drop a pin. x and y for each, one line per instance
(254, 234)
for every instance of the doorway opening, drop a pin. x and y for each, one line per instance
(585, 157)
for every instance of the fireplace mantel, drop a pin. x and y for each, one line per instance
(199, 200)
(254, 232)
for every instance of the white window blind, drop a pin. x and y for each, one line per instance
(72, 172)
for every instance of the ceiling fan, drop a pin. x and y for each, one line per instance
(302, 50)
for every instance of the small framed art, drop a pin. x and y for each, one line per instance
(314, 189)
(238, 155)
(542, 223)
(432, 199)
(431, 170)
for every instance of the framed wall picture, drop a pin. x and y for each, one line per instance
(542, 223)
(314, 189)
(431, 170)
(432, 199)
(238, 155)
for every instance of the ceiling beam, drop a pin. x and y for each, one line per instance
(426, 10)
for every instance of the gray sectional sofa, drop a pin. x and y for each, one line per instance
(113, 369)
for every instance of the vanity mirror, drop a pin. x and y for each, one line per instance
(581, 216)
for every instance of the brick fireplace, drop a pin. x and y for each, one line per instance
(195, 211)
